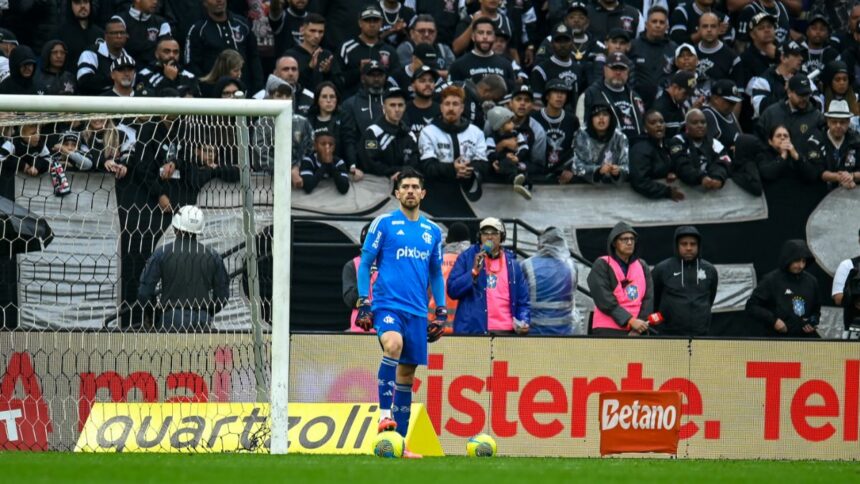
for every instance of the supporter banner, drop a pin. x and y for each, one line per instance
(536, 396)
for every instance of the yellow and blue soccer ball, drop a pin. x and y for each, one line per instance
(388, 444)
(481, 445)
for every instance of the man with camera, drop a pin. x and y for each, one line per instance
(166, 72)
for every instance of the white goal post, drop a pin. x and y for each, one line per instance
(282, 113)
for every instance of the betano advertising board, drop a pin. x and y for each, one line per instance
(536, 396)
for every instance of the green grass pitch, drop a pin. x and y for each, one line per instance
(57, 467)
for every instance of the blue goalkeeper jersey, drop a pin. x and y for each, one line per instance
(406, 254)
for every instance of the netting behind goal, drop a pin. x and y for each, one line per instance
(85, 202)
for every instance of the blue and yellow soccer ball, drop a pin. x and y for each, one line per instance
(481, 445)
(388, 444)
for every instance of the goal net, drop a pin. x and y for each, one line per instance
(113, 287)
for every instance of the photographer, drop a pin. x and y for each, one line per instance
(166, 72)
(786, 301)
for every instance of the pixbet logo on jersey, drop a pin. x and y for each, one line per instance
(412, 253)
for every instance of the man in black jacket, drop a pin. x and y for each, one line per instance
(627, 106)
(650, 162)
(699, 159)
(221, 30)
(364, 107)
(93, 72)
(685, 286)
(144, 28)
(653, 55)
(166, 72)
(194, 281)
(79, 32)
(368, 46)
(388, 145)
(804, 122)
(786, 301)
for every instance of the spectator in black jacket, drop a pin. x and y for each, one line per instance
(650, 162)
(841, 148)
(804, 121)
(368, 46)
(672, 102)
(166, 72)
(364, 107)
(786, 301)
(78, 31)
(22, 70)
(223, 30)
(783, 160)
(144, 28)
(699, 159)
(605, 15)
(326, 115)
(194, 281)
(93, 72)
(324, 164)
(388, 145)
(653, 55)
(315, 63)
(685, 286)
(122, 74)
(52, 76)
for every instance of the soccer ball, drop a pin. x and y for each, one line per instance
(388, 444)
(481, 445)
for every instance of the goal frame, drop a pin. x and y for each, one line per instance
(282, 193)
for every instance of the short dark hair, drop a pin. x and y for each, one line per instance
(423, 17)
(314, 18)
(657, 9)
(484, 20)
(116, 20)
(650, 112)
(165, 38)
(408, 172)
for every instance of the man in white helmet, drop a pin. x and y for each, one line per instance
(194, 281)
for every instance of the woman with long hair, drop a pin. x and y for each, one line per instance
(837, 86)
(325, 115)
(229, 63)
(107, 147)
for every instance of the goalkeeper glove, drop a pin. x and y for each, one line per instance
(364, 320)
(437, 327)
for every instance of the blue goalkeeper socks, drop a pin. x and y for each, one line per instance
(385, 383)
(402, 407)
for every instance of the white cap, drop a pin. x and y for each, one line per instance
(492, 222)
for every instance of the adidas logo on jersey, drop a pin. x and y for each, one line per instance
(401, 232)
(412, 253)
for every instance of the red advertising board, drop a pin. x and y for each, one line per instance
(639, 422)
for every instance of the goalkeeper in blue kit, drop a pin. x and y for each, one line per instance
(407, 250)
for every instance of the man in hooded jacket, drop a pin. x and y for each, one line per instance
(51, 77)
(786, 301)
(551, 274)
(22, 69)
(685, 287)
(621, 287)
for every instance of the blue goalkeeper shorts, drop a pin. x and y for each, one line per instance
(412, 328)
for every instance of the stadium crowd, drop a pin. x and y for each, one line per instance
(663, 95)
